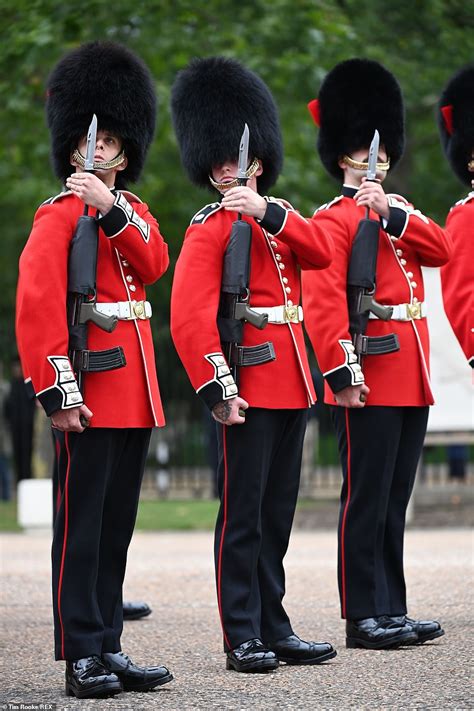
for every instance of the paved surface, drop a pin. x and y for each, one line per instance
(174, 573)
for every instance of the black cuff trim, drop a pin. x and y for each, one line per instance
(64, 394)
(396, 222)
(51, 400)
(340, 379)
(211, 394)
(121, 216)
(30, 391)
(114, 221)
(273, 219)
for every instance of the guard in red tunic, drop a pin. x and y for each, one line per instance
(259, 389)
(456, 124)
(105, 425)
(377, 379)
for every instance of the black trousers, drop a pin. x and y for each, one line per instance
(99, 479)
(379, 449)
(258, 479)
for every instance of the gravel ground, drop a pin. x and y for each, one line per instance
(174, 573)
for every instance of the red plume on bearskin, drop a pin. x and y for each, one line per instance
(211, 101)
(356, 97)
(109, 80)
(457, 134)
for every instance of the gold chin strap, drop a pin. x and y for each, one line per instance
(78, 158)
(251, 170)
(357, 165)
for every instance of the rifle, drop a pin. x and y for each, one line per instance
(234, 309)
(81, 296)
(361, 280)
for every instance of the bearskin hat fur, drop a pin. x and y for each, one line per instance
(356, 97)
(456, 122)
(211, 101)
(109, 80)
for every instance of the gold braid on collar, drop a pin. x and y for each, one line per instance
(357, 165)
(99, 165)
(470, 165)
(251, 170)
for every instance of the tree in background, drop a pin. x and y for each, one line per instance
(290, 44)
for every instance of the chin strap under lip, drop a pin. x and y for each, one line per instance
(100, 165)
(358, 165)
(251, 170)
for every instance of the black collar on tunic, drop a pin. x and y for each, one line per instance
(349, 190)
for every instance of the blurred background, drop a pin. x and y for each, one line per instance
(291, 44)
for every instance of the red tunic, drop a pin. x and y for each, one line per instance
(457, 277)
(281, 243)
(131, 253)
(410, 241)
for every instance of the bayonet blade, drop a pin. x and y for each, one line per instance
(373, 155)
(243, 154)
(91, 141)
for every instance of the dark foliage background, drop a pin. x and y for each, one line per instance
(291, 44)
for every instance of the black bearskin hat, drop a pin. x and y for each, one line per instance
(109, 80)
(356, 97)
(211, 101)
(456, 122)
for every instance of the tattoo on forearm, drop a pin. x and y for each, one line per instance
(222, 411)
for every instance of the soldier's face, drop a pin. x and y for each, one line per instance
(107, 146)
(227, 172)
(353, 176)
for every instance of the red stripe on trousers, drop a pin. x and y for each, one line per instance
(58, 491)
(224, 524)
(344, 516)
(63, 556)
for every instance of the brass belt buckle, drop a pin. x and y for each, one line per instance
(291, 314)
(139, 309)
(414, 311)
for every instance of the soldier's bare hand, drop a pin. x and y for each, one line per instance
(70, 420)
(245, 200)
(91, 190)
(371, 194)
(353, 396)
(228, 412)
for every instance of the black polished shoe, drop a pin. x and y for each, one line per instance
(133, 677)
(425, 629)
(294, 650)
(135, 610)
(378, 633)
(88, 678)
(251, 656)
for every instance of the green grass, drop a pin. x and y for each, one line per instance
(158, 515)
(8, 516)
(175, 515)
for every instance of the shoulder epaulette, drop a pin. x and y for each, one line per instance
(129, 196)
(57, 197)
(205, 212)
(464, 201)
(327, 205)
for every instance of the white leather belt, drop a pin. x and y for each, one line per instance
(126, 310)
(407, 312)
(281, 314)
